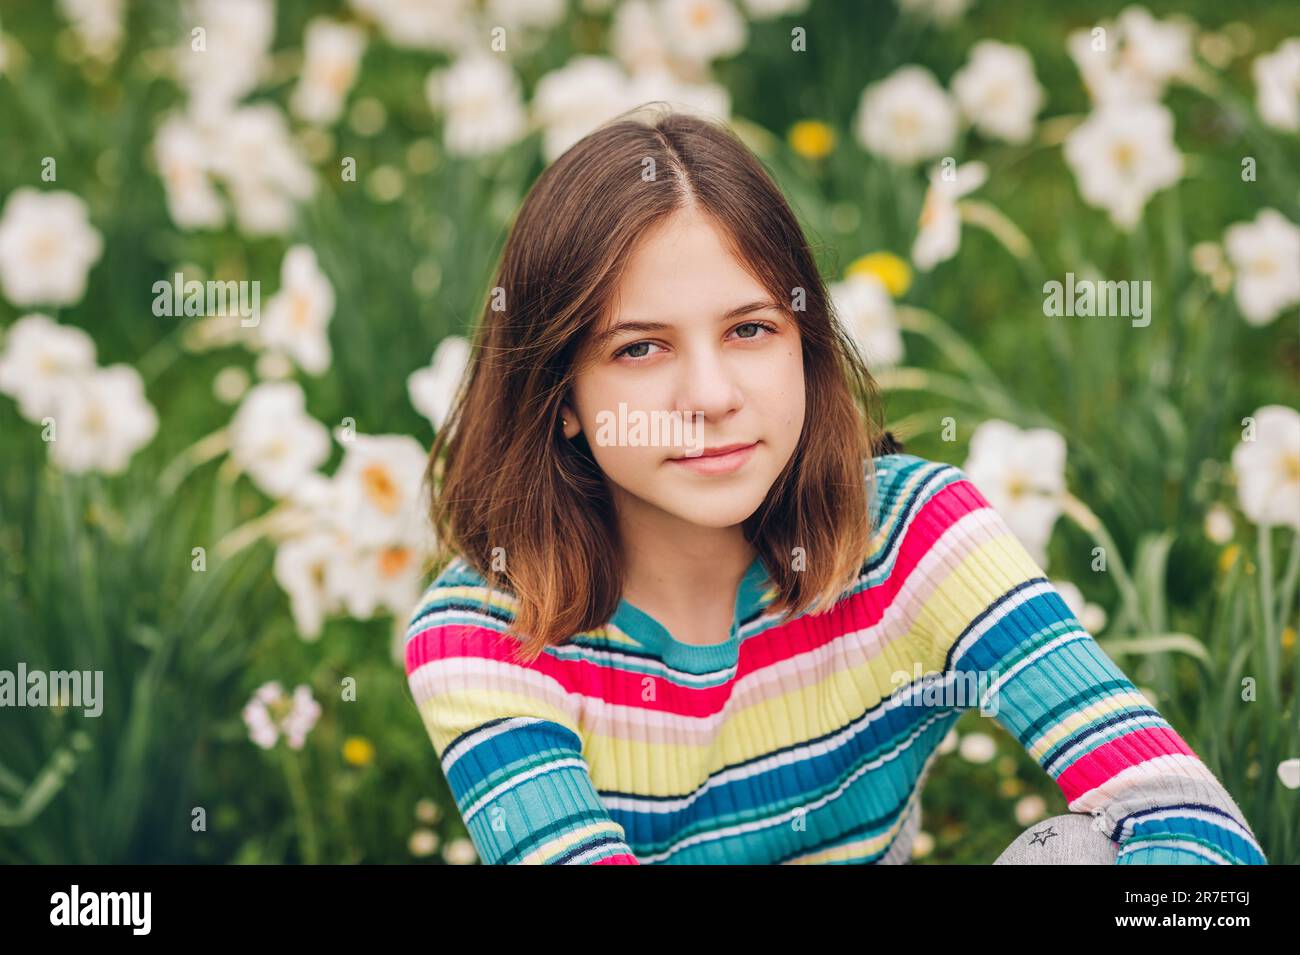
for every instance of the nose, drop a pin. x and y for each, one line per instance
(708, 383)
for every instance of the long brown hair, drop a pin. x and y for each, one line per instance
(529, 509)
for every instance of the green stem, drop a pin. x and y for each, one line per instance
(301, 806)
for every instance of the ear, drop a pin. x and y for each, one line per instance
(571, 427)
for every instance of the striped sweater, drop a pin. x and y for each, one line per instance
(806, 741)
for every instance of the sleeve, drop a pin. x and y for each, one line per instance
(992, 624)
(507, 738)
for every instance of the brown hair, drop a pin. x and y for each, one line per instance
(511, 484)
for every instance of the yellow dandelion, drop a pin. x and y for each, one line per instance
(1288, 638)
(358, 751)
(893, 272)
(1228, 557)
(812, 139)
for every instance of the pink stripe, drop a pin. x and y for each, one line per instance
(1110, 759)
(623, 859)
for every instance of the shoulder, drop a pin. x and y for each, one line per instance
(459, 596)
(901, 485)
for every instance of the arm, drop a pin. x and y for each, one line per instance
(987, 618)
(507, 738)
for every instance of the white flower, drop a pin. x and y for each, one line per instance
(41, 359)
(227, 60)
(182, 151)
(977, 748)
(939, 231)
(636, 36)
(577, 98)
(269, 713)
(1092, 617)
(1218, 524)
(301, 567)
(703, 30)
(771, 9)
(47, 246)
(1134, 59)
(297, 317)
(864, 308)
(423, 24)
(256, 159)
(998, 92)
(368, 579)
(1029, 809)
(1266, 257)
(331, 58)
(460, 852)
(97, 23)
(423, 842)
(1268, 468)
(941, 12)
(906, 117)
(1277, 86)
(433, 388)
(273, 438)
(710, 100)
(1121, 155)
(101, 420)
(1289, 772)
(1022, 475)
(527, 14)
(483, 105)
(381, 493)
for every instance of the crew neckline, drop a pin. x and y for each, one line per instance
(645, 629)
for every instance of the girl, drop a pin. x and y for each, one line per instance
(699, 608)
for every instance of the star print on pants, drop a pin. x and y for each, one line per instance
(1045, 834)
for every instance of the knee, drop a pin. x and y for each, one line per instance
(1069, 839)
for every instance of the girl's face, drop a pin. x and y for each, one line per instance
(712, 349)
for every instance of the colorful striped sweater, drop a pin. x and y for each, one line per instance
(806, 741)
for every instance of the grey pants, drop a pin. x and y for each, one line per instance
(1069, 839)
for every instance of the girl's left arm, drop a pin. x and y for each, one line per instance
(993, 624)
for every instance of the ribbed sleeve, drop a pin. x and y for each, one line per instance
(1002, 633)
(506, 735)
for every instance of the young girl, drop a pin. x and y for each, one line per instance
(741, 638)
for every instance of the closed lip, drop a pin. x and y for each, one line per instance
(716, 452)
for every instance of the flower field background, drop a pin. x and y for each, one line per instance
(220, 508)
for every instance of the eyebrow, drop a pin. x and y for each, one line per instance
(599, 341)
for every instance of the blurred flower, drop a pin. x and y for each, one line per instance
(892, 271)
(906, 117)
(332, 54)
(181, 152)
(229, 384)
(460, 852)
(1268, 468)
(423, 842)
(1022, 474)
(1208, 260)
(656, 83)
(977, 748)
(1266, 256)
(1121, 155)
(274, 440)
(1228, 557)
(427, 811)
(938, 234)
(432, 389)
(47, 247)
(1287, 638)
(1030, 809)
(812, 139)
(102, 419)
(379, 486)
(422, 24)
(358, 751)
(922, 845)
(703, 30)
(998, 92)
(527, 14)
(301, 569)
(570, 102)
(297, 317)
(273, 366)
(636, 36)
(269, 713)
(941, 12)
(1218, 524)
(232, 53)
(41, 359)
(482, 102)
(1134, 59)
(1277, 86)
(1092, 617)
(1289, 772)
(863, 306)
(97, 23)
(259, 164)
(771, 9)
(368, 579)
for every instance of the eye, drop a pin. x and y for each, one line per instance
(626, 350)
(766, 326)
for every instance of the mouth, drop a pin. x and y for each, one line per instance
(723, 459)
